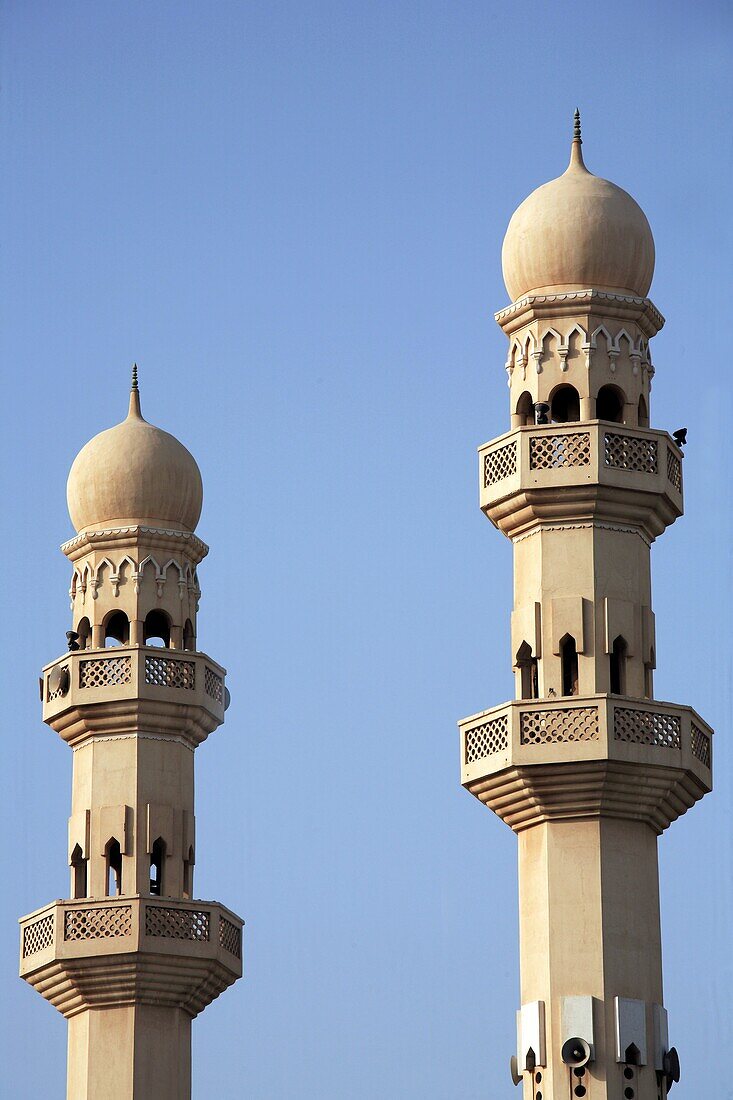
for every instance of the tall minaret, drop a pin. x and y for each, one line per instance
(131, 958)
(585, 765)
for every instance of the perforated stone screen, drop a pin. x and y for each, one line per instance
(674, 471)
(629, 452)
(553, 452)
(500, 464)
(169, 672)
(213, 685)
(647, 727)
(38, 936)
(98, 922)
(491, 736)
(230, 937)
(105, 672)
(547, 727)
(700, 745)
(177, 924)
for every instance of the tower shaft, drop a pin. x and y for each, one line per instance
(130, 958)
(585, 765)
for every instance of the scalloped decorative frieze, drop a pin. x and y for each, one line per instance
(630, 306)
(138, 530)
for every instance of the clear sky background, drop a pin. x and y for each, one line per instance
(291, 215)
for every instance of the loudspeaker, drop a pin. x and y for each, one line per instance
(575, 1052)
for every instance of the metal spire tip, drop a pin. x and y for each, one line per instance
(576, 126)
(134, 376)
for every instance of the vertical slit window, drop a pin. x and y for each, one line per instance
(113, 854)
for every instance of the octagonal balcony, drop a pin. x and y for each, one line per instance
(106, 691)
(545, 759)
(581, 470)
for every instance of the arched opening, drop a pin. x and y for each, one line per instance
(649, 675)
(116, 629)
(157, 867)
(569, 664)
(79, 873)
(113, 857)
(189, 637)
(188, 874)
(610, 404)
(527, 665)
(157, 629)
(84, 630)
(643, 412)
(525, 409)
(632, 1055)
(618, 666)
(565, 405)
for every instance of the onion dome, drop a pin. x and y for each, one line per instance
(134, 474)
(578, 232)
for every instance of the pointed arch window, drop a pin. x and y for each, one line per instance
(618, 666)
(528, 670)
(113, 857)
(79, 873)
(643, 412)
(157, 868)
(569, 665)
(189, 636)
(188, 874)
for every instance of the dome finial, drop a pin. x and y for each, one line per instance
(134, 410)
(576, 153)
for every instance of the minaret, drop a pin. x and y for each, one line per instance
(130, 959)
(585, 765)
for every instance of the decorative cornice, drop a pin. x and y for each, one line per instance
(628, 306)
(104, 536)
(583, 527)
(135, 737)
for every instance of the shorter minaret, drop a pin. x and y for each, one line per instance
(585, 764)
(130, 958)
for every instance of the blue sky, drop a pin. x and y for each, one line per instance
(291, 216)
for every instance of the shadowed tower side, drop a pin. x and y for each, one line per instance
(131, 958)
(585, 765)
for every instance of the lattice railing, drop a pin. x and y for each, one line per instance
(230, 937)
(500, 463)
(38, 936)
(700, 745)
(491, 736)
(647, 727)
(105, 672)
(98, 922)
(213, 684)
(177, 924)
(169, 672)
(630, 452)
(548, 727)
(556, 450)
(674, 470)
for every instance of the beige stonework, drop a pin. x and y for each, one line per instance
(585, 765)
(130, 958)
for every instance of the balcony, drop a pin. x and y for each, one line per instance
(124, 950)
(108, 691)
(537, 760)
(592, 469)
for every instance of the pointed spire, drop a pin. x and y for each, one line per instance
(576, 153)
(134, 410)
